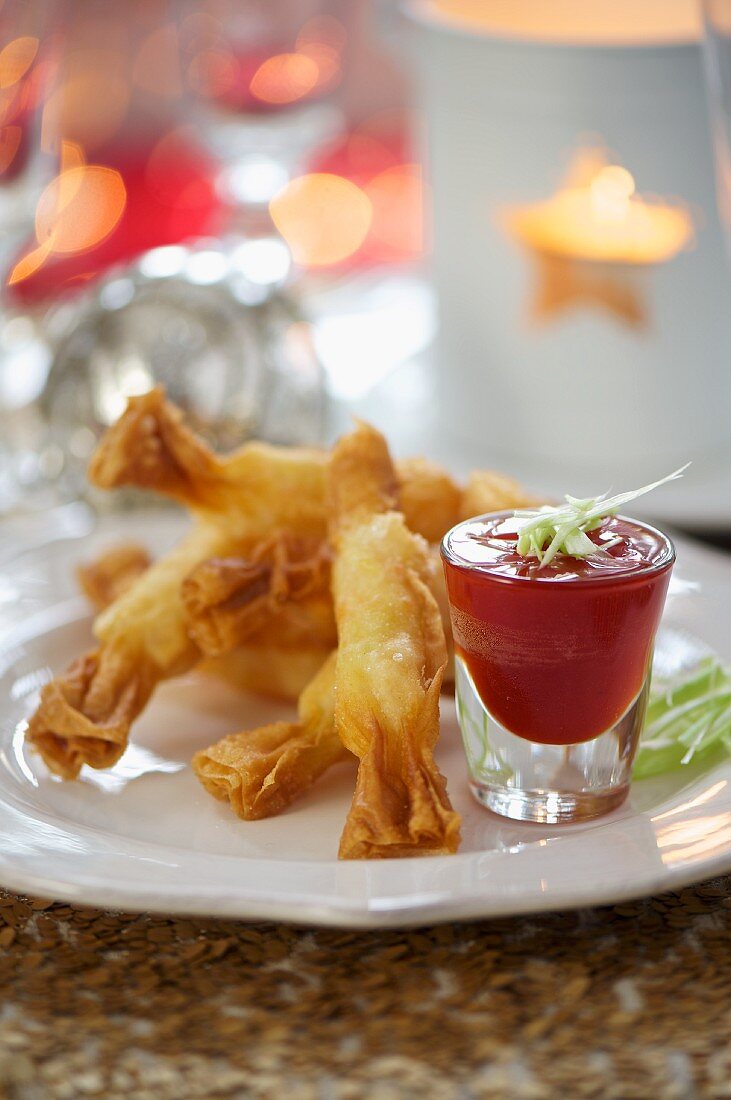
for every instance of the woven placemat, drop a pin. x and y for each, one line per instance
(627, 1001)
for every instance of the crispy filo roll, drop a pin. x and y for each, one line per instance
(260, 772)
(428, 498)
(247, 491)
(390, 661)
(151, 448)
(279, 589)
(84, 715)
(489, 491)
(265, 668)
(113, 572)
(279, 661)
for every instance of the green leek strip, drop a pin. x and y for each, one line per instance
(545, 532)
(687, 719)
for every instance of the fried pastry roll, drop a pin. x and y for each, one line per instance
(279, 662)
(260, 772)
(390, 661)
(488, 491)
(281, 586)
(151, 448)
(428, 498)
(105, 578)
(259, 486)
(84, 715)
(143, 635)
(265, 668)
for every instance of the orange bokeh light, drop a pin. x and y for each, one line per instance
(324, 218)
(80, 207)
(16, 59)
(30, 263)
(77, 210)
(396, 196)
(611, 191)
(285, 78)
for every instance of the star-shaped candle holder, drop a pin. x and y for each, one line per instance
(593, 242)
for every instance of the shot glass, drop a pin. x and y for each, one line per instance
(553, 666)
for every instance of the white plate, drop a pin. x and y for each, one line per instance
(146, 836)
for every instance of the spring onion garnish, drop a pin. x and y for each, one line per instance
(545, 532)
(687, 719)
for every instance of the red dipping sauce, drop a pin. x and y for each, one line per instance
(556, 654)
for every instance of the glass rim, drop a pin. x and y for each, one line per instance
(667, 559)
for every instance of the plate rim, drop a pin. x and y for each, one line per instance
(341, 912)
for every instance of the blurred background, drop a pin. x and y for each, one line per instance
(494, 227)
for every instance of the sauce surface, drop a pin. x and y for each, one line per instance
(557, 655)
(476, 543)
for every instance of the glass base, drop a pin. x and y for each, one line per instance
(551, 807)
(555, 784)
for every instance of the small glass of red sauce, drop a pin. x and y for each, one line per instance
(553, 664)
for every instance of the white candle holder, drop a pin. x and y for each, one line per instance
(585, 398)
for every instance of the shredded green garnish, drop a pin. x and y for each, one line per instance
(545, 532)
(687, 719)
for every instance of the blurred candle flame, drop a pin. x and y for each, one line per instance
(610, 191)
(77, 210)
(592, 239)
(620, 23)
(599, 216)
(16, 59)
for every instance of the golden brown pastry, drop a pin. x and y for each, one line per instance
(489, 491)
(282, 585)
(250, 492)
(428, 497)
(105, 578)
(390, 661)
(260, 772)
(150, 448)
(84, 715)
(265, 668)
(280, 662)
(143, 636)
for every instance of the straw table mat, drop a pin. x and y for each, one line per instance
(626, 1001)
